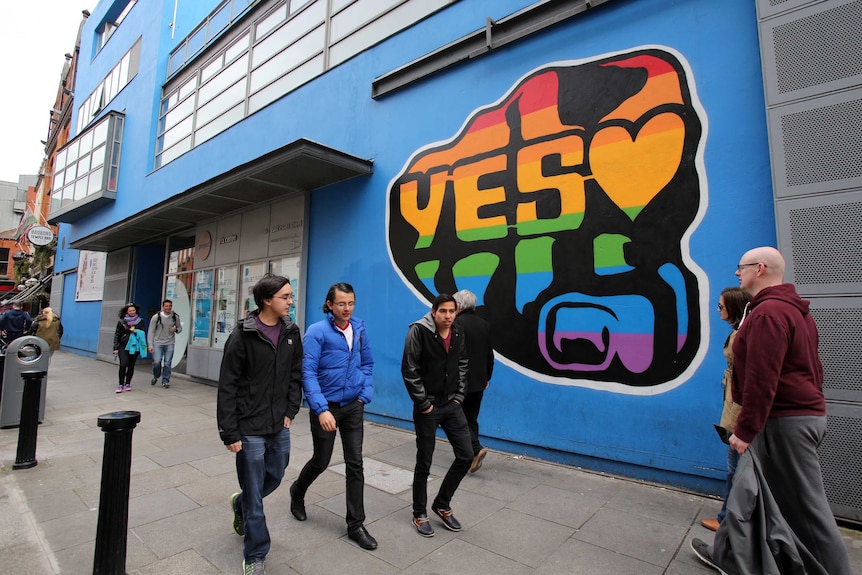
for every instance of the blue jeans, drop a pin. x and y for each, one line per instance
(162, 351)
(732, 461)
(349, 421)
(260, 468)
(451, 418)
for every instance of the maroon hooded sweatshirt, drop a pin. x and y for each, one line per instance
(776, 367)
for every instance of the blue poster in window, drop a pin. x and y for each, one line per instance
(203, 307)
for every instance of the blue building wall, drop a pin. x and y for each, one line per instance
(664, 435)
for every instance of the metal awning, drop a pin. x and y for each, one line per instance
(300, 166)
(25, 295)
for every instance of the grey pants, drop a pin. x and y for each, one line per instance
(787, 450)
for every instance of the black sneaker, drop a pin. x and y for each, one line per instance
(154, 380)
(237, 515)
(166, 383)
(423, 526)
(448, 519)
(701, 549)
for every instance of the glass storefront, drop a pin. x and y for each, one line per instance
(211, 295)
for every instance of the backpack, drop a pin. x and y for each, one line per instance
(174, 317)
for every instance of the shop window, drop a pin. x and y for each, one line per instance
(202, 308)
(225, 293)
(4, 262)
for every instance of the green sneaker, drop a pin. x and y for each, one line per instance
(237, 516)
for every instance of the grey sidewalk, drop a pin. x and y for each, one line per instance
(520, 516)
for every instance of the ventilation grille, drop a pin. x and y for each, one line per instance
(840, 347)
(819, 48)
(840, 454)
(826, 242)
(823, 144)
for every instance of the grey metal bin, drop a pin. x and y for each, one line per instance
(27, 353)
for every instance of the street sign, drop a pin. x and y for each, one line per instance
(40, 235)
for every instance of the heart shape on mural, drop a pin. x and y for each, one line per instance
(632, 171)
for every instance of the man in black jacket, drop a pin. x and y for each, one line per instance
(480, 360)
(260, 389)
(434, 368)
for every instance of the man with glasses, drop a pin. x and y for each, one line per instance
(778, 380)
(336, 378)
(260, 389)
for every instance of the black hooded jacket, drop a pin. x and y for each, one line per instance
(260, 384)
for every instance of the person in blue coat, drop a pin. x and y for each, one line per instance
(336, 379)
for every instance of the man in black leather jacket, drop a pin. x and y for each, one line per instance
(434, 368)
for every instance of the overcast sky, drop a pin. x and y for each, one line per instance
(34, 35)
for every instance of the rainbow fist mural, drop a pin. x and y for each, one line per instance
(566, 207)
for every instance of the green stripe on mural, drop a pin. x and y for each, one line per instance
(532, 256)
(427, 270)
(481, 264)
(477, 234)
(423, 242)
(563, 223)
(608, 250)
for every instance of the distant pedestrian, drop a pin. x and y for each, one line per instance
(731, 306)
(14, 323)
(336, 378)
(47, 326)
(161, 338)
(260, 389)
(434, 369)
(480, 356)
(130, 343)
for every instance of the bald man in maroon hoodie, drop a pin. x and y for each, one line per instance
(778, 380)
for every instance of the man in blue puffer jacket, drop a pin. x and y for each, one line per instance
(336, 379)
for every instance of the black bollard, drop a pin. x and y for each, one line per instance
(27, 429)
(111, 532)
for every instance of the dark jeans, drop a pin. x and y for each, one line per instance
(127, 365)
(349, 421)
(260, 468)
(451, 418)
(732, 461)
(472, 404)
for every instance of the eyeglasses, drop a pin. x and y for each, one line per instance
(287, 297)
(740, 266)
(344, 304)
(720, 307)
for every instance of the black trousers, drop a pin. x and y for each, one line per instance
(349, 420)
(451, 418)
(127, 365)
(472, 404)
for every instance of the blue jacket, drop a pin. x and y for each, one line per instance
(137, 343)
(331, 372)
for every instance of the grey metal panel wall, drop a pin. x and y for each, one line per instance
(115, 293)
(56, 301)
(812, 67)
